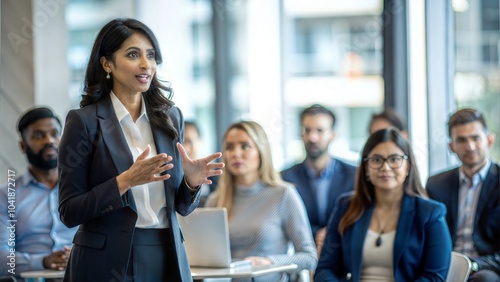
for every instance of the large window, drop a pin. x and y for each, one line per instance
(477, 77)
(334, 58)
(84, 19)
(284, 56)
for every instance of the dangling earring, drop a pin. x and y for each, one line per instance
(108, 76)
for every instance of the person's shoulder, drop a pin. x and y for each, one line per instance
(16, 183)
(495, 168)
(344, 199)
(295, 167)
(176, 117)
(345, 166)
(442, 176)
(430, 208)
(444, 173)
(287, 187)
(86, 114)
(285, 191)
(175, 112)
(292, 170)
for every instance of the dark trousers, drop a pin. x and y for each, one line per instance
(152, 257)
(484, 276)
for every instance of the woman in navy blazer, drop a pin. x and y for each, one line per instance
(387, 229)
(121, 175)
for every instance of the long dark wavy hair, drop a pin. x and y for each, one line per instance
(96, 86)
(364, 191)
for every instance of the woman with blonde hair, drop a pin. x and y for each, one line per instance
(265, 213)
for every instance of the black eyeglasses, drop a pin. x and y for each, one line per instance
(394, 161)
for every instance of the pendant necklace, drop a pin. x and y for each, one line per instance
(378, 242)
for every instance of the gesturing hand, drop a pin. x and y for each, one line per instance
(144, 171)
(198, 171)
(57, 260)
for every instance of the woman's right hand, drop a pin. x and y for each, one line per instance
(144, 171)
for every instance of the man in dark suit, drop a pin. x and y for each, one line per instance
(471, 194)
(319, 179)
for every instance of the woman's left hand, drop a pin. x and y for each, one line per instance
(259, 261)
(198, 171)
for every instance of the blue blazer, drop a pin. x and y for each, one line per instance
(92, 152)
(444, 186)
(342, 181)
(422, 246)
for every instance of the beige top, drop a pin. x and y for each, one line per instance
(377, 261)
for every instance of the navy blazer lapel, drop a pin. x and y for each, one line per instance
(113, 136)
(308, 193)
(489, 185)
(357, 239)
(406, 216)
(114, 140)
(335, 183)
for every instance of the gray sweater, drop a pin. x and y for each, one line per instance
(264, 221)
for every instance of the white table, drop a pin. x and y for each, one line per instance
(197, 273)
(239, 272)
(41, 275)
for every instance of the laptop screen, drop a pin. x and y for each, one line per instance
(206, 237)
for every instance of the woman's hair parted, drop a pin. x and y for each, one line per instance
(96, 86)
(267, 174)
(364, 191)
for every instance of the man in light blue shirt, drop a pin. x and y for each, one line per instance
(31, 234)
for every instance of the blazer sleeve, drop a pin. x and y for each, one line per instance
(331, 259)
(490, 262)
(437, 256)
(490, 229)
(186, 199)
(79, 203)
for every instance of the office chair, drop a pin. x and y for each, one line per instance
(460, 266)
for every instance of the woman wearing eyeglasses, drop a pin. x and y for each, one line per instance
(387, 230)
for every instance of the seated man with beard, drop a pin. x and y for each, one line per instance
(41, 241)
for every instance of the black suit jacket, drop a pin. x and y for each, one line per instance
(342, 181)
(92, 152)
(444, 187)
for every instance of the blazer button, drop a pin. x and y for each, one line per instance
(110, 207)
(348, 276)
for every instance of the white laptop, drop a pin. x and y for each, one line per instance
(206, 238)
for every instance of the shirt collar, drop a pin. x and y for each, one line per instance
(29, 179)
(481, 173)
(120, 110)
(327, 172)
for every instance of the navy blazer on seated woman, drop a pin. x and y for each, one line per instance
(412, 242)
(422, 246)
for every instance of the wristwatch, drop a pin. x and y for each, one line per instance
(474, 266)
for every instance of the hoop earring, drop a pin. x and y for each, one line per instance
(108, 76)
